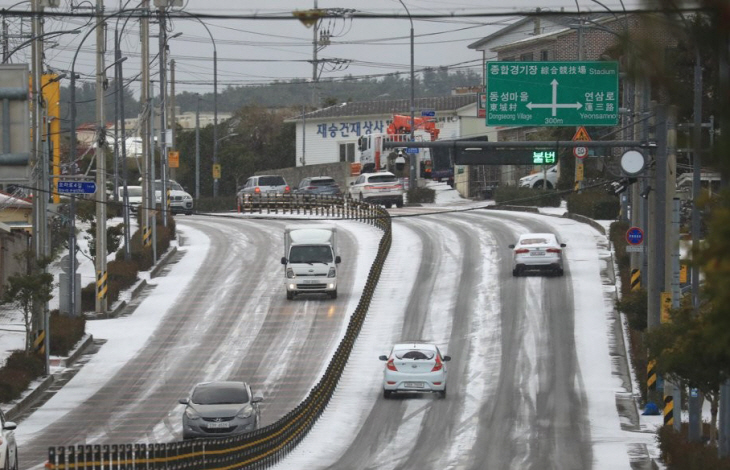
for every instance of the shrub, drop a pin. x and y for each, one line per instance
(66, 331)
(514, 196)
(122, 271)
(20, 369)
(595, 204)
(680, 454)
(421, 195)
(634, 305)
(215, 204)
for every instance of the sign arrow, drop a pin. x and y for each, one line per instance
(554, 105)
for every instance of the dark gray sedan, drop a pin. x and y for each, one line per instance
(217, 409)
(318, 185)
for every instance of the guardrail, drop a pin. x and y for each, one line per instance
(266, 446)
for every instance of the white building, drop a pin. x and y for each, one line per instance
(329, 135)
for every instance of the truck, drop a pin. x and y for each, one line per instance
(310, 260)
(373, 158)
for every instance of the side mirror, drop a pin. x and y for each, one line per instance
(338, 260)
(184, 401)
(283, 260)
(383, 358)
(447, 358)
(9, 425)
(511, 246)
(257, 399)
(352, 183)
(563, 245)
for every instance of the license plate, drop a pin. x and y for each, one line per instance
(537, 253)
(219, 425)
(414, 384)
(310, 282)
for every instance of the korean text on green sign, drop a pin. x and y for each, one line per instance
(552, 93)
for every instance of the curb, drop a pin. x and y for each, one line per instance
(162, 262)
(25, 402)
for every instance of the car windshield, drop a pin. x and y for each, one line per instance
(415, 354)
(382, 179)
(271, 181)
(533, 241)
(310, 254)
(219, 395)
(134, 191)
(323, 182)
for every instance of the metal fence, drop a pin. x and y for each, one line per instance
(266, 446)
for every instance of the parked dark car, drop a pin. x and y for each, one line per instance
(318, 185)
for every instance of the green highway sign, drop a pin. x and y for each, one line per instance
(552, 93)
(504, 156)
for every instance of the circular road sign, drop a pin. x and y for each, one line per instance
(580, 152)
(635, 236)
(632, 162)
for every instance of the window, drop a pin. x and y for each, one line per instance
(526, 57)
(544, 55)
(347, 152)
(271, 181)
(382, 179)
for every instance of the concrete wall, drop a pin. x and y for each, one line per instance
(11, 244)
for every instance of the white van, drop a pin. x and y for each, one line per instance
(310, 261)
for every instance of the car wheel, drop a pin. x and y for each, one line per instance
(399, 204)
(388, 205)
(515, 272)
(559, 272)
(361, 198)
(387, 394)
(442, 393)
(189, 213)
(289, 295)
(333, 294)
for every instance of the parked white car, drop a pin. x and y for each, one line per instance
(537, 179)
(378, 188)
(181, 202)
(134, 193)
(8, 446)
(538, 252)
(416, 367)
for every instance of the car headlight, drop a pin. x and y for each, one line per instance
(191, 413)
(246, 412)
(187, 197)
(290, 273)
(332, 273)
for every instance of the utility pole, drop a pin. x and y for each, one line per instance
(101, 272)
(197, 149)
(164, 199)
(315, 63)
(172, 120)
(148, 194)
(579, 168)
(694, 431)
(36, 155)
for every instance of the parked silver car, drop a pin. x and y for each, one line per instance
(216, 409)
(537, 252)
(262, 188)
(8, 446)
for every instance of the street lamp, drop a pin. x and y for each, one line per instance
(215, 98)
(414, 156)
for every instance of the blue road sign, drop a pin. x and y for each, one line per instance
(428, 113)
(635, 236)
(76, 187)
(412, 150)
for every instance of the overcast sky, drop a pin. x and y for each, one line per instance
(254, 51)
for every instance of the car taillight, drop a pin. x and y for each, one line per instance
(257, 190)
(398, 186)
(391, 365)
(311, 187)
(522, 250)
(369, 187)
(554, 250)
(287, 190)
(438, 366)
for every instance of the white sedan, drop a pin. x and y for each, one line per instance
(538, 252)
(8, 447)
(415, 367)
